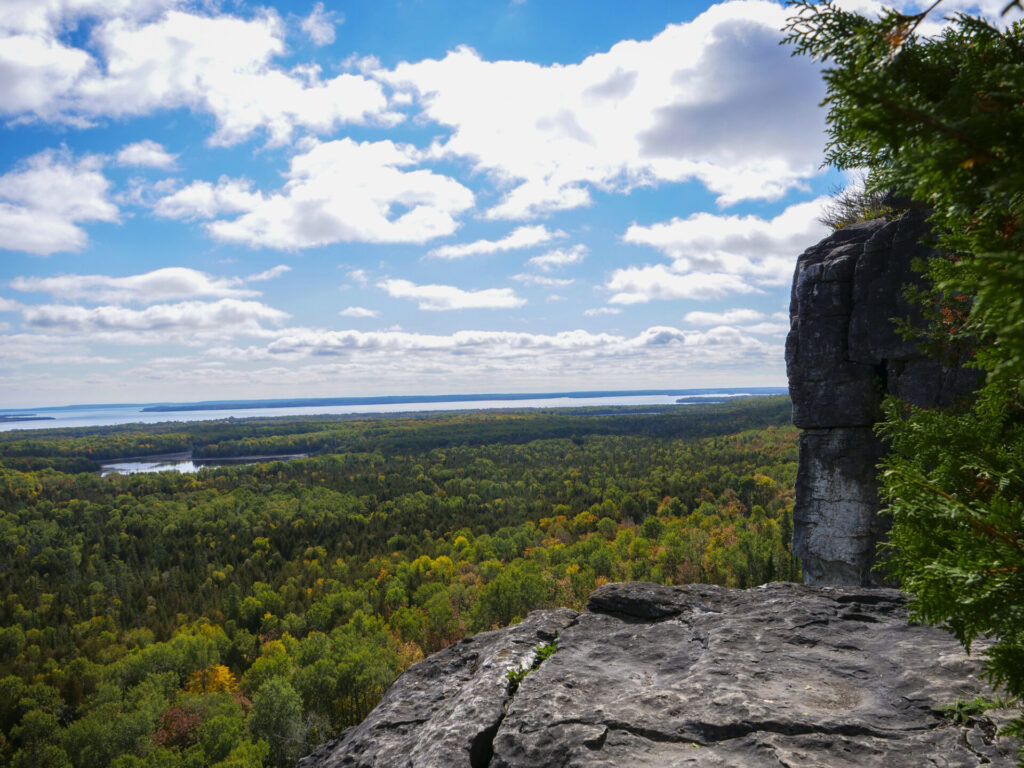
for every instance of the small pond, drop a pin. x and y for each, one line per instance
(183, 463)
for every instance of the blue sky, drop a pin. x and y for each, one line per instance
(207, 200)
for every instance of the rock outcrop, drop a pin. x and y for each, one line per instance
(843, 355)
(656, 676)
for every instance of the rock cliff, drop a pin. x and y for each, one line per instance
(656, 676)
(843, 355)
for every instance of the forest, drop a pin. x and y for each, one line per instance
(239, 616)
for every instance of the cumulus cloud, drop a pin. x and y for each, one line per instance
(602, 311)
(226, 316)
(164, 284)
(674, 108)
(338, 191)
(776, 328)
(440, 298)
(358, 312)
(18, 349)
(637, 285)
(46, 17)
(319, 25)
(762, 250)
(358, 276)
(269, 274)
(146, 153)
(715, 255)
(660, 350)
(749, 320)
(151, 56)
(501, 342)
(559, 258)
(203, 200)
(313, 361)
(729, 317)
(47, 196)
(519, 238)
(542, 280)
(35, 72)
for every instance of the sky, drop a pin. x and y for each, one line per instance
(228, 200)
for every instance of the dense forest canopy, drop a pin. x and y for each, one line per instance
(241, 615)
(937, 122)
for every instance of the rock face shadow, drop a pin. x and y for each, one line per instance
(843, 355)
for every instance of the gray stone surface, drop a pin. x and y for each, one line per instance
(652, 676)
(836, 525)
(843, 355)
(444, 710)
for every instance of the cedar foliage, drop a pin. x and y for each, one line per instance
(939, 120)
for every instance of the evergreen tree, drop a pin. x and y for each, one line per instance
(938, 121)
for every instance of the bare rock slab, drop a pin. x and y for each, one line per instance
(653, 676)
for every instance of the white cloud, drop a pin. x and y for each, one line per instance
(602, 311)
(501, 355)
(269, 274)
(313, 362)
(338, 191)
(358, 312)
(767, 329)
(542, 280)
(560, 257)
(636, 285)
(762, 250)
(501, 342)
(150, 57)
(358, 276)
(36, 71)
(147, 153)
(677, 107)
(748, 320)
(9, 305)
(519, 238)
(19, 349)
(203, 200)
(48, 17)
(729, 317)
(159, 285)
(319, 25)
(713, 255)
(439, 298)
(145, 192)
(44, 199)
(223, 317)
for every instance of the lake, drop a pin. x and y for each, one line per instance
(104, 415)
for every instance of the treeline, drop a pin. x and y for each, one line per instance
(240, 616)
(414, 432)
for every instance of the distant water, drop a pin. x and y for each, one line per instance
(133, 467)
(175, 463)
(104, 415)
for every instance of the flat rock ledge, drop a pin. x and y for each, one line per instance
(653, 676)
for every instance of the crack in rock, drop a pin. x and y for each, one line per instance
(775, 675)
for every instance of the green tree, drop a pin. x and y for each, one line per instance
(276, 718)
(938, 121)
(35, 736)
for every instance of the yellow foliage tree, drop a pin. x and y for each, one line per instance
(215, 679)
